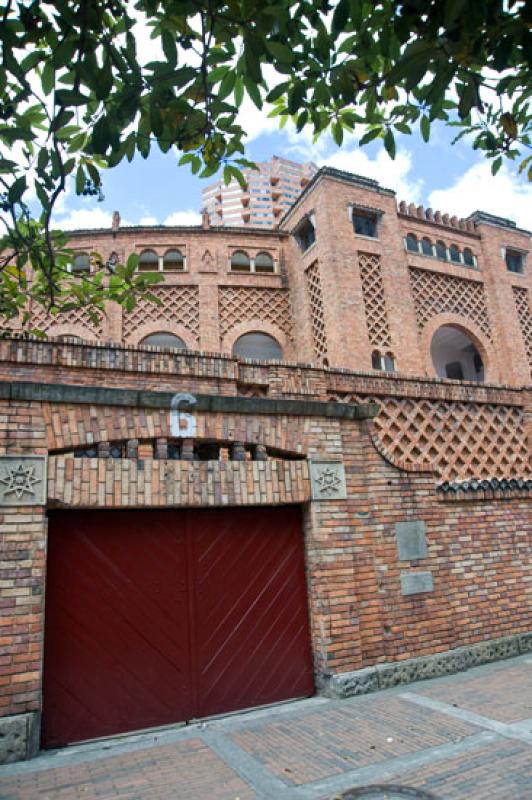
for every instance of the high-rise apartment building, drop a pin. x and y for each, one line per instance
(269, 193)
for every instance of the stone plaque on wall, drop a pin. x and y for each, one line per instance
(411, 540)
(416, 583)
(22, 480)
(327, 480)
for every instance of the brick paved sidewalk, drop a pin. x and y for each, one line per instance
(463, 737)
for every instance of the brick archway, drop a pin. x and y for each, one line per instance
(255, 326)
(469, 329)
(175, 329)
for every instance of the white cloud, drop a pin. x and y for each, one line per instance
(390, 174)
(84, 218)
(477, 188)
(148, 220)
(189, 217)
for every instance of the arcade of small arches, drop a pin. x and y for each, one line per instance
(261, 263)
(173, 260)
(440, 251)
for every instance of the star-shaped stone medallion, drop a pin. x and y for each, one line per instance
(20, 480)
(328, 480)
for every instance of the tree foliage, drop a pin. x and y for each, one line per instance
(80, 91)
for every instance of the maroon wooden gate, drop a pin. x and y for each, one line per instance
(154, 617)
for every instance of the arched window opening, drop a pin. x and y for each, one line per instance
(173, 261)
(305, 234)
(148, 261)
(240, 262)
(411, 243)
(455, 356)
(164, 340)
(259, 346)
(469, 258)
(426, 247)
(441, 251)
(376, 360)
(81, 264)
(454, 253)
(264, 263)
(389, 362)
(68, 338)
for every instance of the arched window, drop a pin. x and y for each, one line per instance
(411, 243)
(69, 338)
(454, 253)
(260, 346)
(469, 258)
(376, 360)
(441, 251)
(148, 261)
(173, 261)
(164, 340)
(455, 355)
(389, 362)
(305, 233)
(81, 263)
(240, 262)
(426, 247)
(264, 263)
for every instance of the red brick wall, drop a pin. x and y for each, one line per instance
(477, 550)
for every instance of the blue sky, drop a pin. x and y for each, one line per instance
(454, 179)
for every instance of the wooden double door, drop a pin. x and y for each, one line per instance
(155, 617)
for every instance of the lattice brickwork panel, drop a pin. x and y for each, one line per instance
(316, 310)
(245, 304)
(374, 302)
(445, 294)
(180, 304)
(522, 304)
(461, 440)
(41, 319)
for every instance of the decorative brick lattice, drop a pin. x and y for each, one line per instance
(43, 321)
(525, 318)
(460, 440)
(243, 304)
(316, 309)
(180, 304)
(374, 302)
(435, 293)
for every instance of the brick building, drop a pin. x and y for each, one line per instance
(268, 485)
(269, 192)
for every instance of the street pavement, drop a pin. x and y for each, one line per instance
(463, 737)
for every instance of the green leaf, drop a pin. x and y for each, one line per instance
(280, 52)
(337, 133)
(424, 125)
(340, 16)
(169, 48)
(16, 190)
(253, 91)
(227, 85)
(370, 135)
(496, 165)
(239, 91)
(47, 78)
(389, 143)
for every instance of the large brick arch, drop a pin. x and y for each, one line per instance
(90, 425)
(470, 329)
(255, 326)
(72, 329)
(164, 327)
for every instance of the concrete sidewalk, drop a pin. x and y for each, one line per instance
(464, 737)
